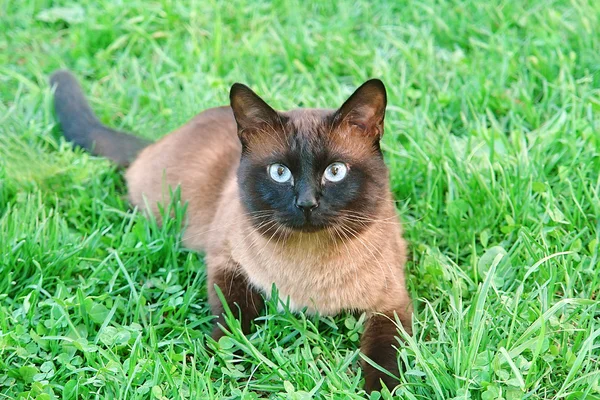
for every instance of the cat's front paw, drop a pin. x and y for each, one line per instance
(378, 344)
(375, 379)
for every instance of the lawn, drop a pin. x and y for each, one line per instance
(492, 139)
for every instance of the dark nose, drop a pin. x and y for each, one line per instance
(307, 202)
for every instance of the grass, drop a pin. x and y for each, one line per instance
(492, 139)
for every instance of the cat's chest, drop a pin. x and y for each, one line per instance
(327, 279)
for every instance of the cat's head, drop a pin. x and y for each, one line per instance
(308, 170)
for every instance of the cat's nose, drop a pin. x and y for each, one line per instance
(307, 203)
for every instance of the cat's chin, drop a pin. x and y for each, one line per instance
(308, 228)
(283, 230)
(301, 225)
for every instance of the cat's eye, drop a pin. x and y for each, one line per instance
(336, 172)
(280, 173)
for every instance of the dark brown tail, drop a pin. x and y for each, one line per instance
(80, 125)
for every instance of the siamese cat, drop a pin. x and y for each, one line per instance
(300, 199)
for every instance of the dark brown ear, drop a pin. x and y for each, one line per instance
(249, 110)
(365, 109)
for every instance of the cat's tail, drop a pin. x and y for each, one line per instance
(80, 125)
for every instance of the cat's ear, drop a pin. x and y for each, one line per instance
(250, 111)
(365, 109)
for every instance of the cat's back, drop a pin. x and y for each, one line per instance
(200, 157)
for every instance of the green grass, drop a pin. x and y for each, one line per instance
(492, 138)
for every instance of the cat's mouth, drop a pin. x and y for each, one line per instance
(277, 224)
(302, 224)
(307, 222)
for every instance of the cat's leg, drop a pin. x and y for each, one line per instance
(243, 300)
(378, 343)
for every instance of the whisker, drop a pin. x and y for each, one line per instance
(368, 248)
(359, 215)
(253, 230)
(251, 219)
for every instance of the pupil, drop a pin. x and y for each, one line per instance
(334, 170)
(280, 171)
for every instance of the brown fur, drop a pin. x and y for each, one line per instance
(380, 335)
(355, 265)
(242, 299)
(320, 271)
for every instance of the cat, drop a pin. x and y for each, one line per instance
(300, 199)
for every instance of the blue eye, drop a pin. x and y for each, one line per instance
(280, 173)
(336, 172)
